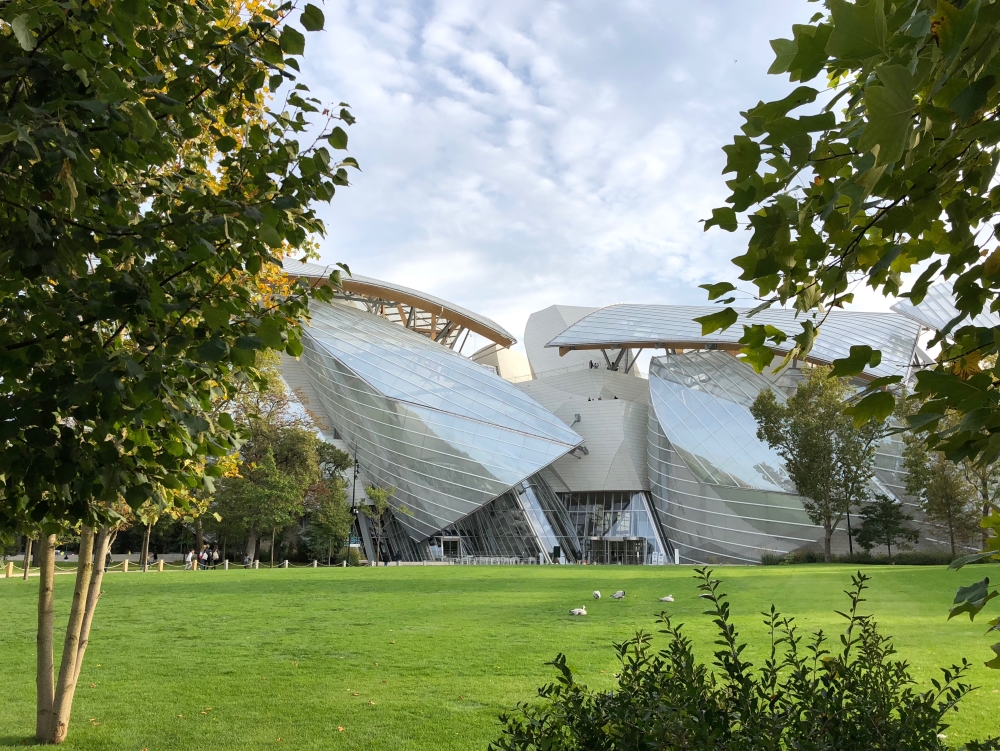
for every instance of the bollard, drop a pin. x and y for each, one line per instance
(256, 565)
(10, 569)
(284, 563)
(225, 565)
(677, 556)
(125, 566)
(315, 564)
(159, 565)
(194, 564)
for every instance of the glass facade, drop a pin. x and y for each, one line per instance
(449, 435)
(616, 527)
(673, 326)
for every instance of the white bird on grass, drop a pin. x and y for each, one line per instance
(578, 611)
(619, 595)
(597, 594)
(668, 598)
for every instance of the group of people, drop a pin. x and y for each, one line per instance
(206, 557)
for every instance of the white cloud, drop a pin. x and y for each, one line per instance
(521, 154)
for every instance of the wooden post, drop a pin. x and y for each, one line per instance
(159, 565)
(10, 569)
(315, 564)
(225, 565)
(194, 563)
(125, 566)
(284, 563)
(256, 564)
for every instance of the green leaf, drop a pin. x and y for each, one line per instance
(995, 662)
(890, 114)
(724, 218)
(877, 406)
(294, 347)
(312, 18)
(24, 36)
(215, 317)
(717, 290)
(292, 41)
(810, 54)
(226, 144)
(213, 350)
(743, 157)
(784, 53)
(226, 421)
(952, 26)
(858, 29)
(270, 236)
(974, 558)
(270, 334)
(338, 138)
(972, 98)
(972, 599)
(860, 358)
(718, 321)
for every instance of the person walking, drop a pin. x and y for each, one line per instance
(203, 558)
(215, 557)
(189, 559)
(246, 561)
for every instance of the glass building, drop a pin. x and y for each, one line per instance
(568, 454)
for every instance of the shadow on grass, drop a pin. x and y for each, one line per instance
(18, 740)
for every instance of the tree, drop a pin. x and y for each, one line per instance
(330, 518)
(883, 522)
(147, 191)
(945, 495)
(890, 170)
(377, 513)
(828, 458)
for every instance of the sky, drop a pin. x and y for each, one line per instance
(520, 154)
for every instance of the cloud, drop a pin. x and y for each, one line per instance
(521, 154)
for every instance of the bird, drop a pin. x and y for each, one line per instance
(619, 595)
(578, 611)
(597, 594)
(668, 598)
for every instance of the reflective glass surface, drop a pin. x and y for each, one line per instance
(937, 309)
(449, 435)
(674, 326)
(616, 527)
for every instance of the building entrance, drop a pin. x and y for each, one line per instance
(627, 551)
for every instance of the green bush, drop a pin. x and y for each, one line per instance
(353, 557)
(805, 696)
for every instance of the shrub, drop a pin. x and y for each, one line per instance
(804, 696)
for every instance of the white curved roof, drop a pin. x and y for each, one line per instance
(362, 285)
(674, 327)
(937, 310)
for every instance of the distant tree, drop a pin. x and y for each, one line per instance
(827, 457)
(943, 489)
(330, 516)
(377, 513)
(883, 522)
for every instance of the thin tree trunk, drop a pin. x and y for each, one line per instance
(27, 558)
(104, 538)
(251, 547)
(199, 537)
(44, 672)
(224, 546)
(951, 534)
(66, 685)
(986, 532)
(145, 547)
(827, 537)
(272, 547)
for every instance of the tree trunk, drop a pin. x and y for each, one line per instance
(986, 532)
(66, 686)
(104, 539)
(251, 547)
(850, 537)
(27, 558)
(199, 537)
(951, 534)
(272, 547)
(145, 547)
(224, 546)
(827, 537)
(44, 671)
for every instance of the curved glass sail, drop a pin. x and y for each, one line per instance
(448, 434)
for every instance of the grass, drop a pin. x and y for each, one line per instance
(414, 658)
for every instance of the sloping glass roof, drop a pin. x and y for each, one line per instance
(937, 309)
(364, 285)
(447, 433)
(674, 327)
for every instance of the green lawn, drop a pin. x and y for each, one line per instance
(412, 657)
